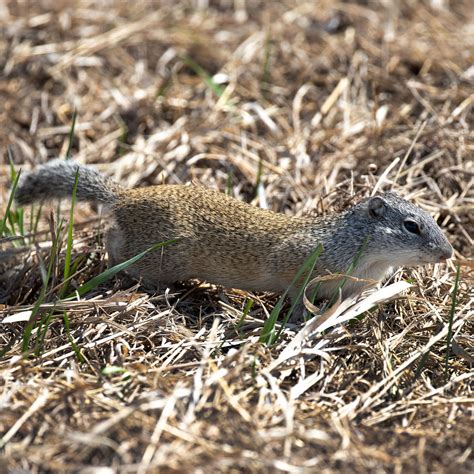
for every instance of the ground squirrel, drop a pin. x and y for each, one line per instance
(227, 242)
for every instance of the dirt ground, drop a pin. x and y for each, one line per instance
(302, 106)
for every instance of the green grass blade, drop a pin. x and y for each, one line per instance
(204, 75)
(310, 263)
(449, 341)
(421, 364)
(268, 334)
(35, 221)
(229, 185)
(13, 172)
(46, 276)
(110, 272)
(11, 221)
(348, 272)
(20, 219)
(76, 350)
(164, 87)
(71, 135)
(30, 325)
(258, 181)
(267, 60)
(9, 205)
(15, 217)
(55, 248)
(247, 308)
(111, 370)
(67, 261)
(43, 326)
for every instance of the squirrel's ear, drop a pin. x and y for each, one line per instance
(376, 206)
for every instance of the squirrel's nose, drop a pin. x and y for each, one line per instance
(446, 254)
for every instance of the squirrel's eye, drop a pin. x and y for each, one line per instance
(412, 227)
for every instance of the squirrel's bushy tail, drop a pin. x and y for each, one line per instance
(55, 180)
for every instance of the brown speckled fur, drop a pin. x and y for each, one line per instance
(227, 242)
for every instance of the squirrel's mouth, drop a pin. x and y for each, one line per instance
(433, 261)
(413, 262)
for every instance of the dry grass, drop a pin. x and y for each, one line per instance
(314, 102)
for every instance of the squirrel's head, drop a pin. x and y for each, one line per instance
(402, 232)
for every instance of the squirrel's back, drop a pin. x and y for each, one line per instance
(55, 180)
